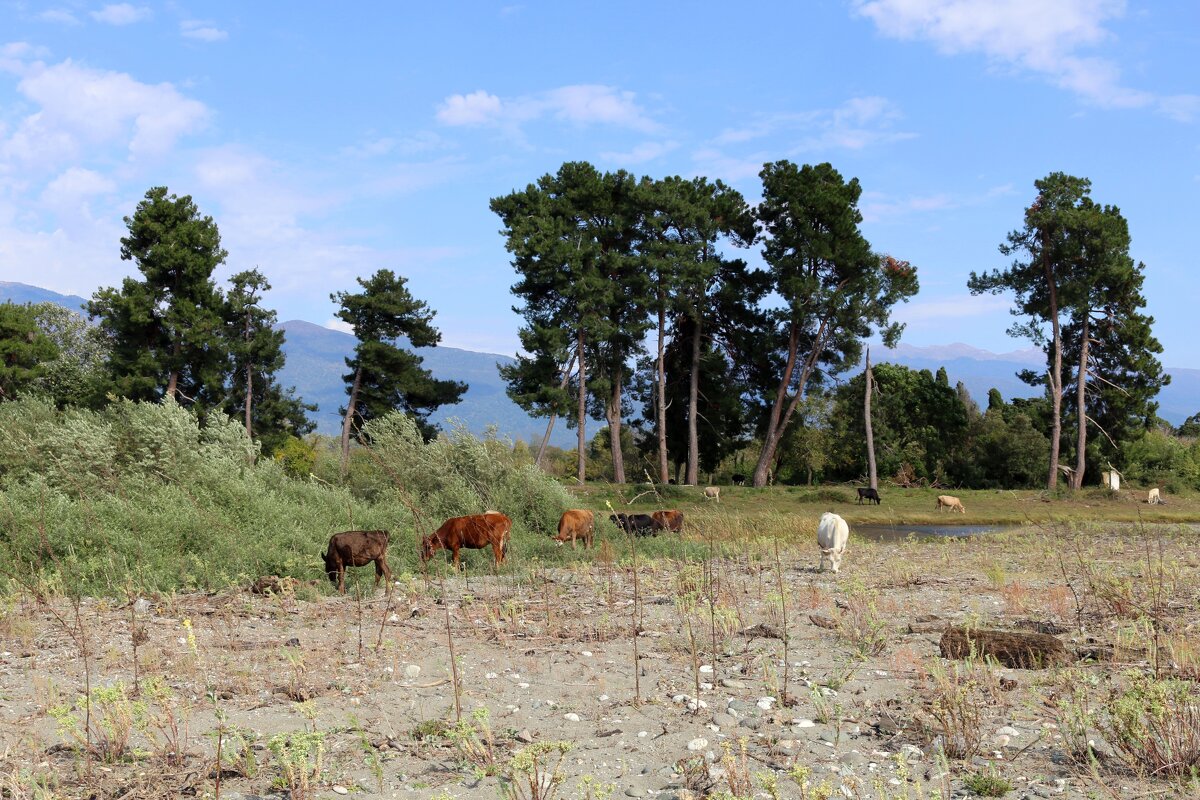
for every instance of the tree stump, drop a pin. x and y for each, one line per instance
(1016, 649)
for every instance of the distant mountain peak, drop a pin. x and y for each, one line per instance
(954, 350)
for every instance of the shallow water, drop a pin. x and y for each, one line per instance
(893, 533)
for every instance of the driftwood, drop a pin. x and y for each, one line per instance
(1015, 649)
(823, 622)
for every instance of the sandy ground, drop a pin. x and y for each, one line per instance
(550, 657)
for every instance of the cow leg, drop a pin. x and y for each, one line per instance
(341, 579)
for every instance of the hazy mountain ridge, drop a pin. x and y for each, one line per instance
(316, 362)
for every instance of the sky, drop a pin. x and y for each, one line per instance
(327, 144)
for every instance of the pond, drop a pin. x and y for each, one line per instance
(893, 533)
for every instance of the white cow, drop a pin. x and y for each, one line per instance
(832, 535)
(1154, 498)
(712, 493)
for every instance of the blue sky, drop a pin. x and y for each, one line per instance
(328, 143)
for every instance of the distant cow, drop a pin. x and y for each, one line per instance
(713, 493)
(1154, 498)
(576, 523)
(475, 532)
(671, 520)
(637, 524)
(832, 535)
(356, 549)
(739, 480)
(870, 494)
(952, 503)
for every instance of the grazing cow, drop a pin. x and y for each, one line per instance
(638, 524)
(712, 493)
(576, 523)
(832, 535)
(739, 480)
(870, 494)
(668, 520)
(952, 503)
(475, 532)
(356, 549)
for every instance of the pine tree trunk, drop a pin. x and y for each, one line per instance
(348, 421)
(581, 411)
(693, 462)
(537, 462)
(614, 428)
(660, 412)
(249, 398)
(1081, 410)
(1055, 377)
(173, 386)
(771, 436)
(874, 481)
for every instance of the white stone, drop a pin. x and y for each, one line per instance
(412, 671)
(706, 669)
(141, 605)
(765, 703)
(586, 653)
(1008, 730)
(341, 790)
(394, 618)
(491, 676)
(696, 745)
(642, 734)
(522, 685)
(571, 717)
(803, 723)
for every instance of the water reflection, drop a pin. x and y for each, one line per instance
(892, 533)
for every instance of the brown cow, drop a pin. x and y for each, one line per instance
(356, 549)
(576, 523)
(671, 520)
(475, 532)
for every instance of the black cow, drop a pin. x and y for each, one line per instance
(637, 524)
(739, 480)
(870, 494)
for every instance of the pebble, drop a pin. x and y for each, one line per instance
(586, 654)
(635, 791)
(141, 605)
(491, 676)
(1008, 730)
(341, 790)
(394, 618)
(706, 669)
(733, 683)
(571, 717)
(765, 703)
(803, 723)
(696, 745)
(522, 685)
(412, 671)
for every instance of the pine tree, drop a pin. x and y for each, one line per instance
(24, 349)
(384, 376)
(166, 330)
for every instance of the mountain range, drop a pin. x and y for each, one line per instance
(315, 365)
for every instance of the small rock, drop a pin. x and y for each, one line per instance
(696, 745)
(524, 736)
(412, 671)
(635, 791)
(341, 790)
(491, 676)
(733, 683)
(803, 723)
(394, 618)
(706, 669)
(765, 703)
(141, 605)
(571, 717)
(1008, 730)
(292, 642)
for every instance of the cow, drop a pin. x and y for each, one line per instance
(638, 524)
(832, 535)
(671, 520)
(356, 549)
(1153, 497)
(576, 523)
(712, 493)
(952, 503)
(870, 494)
(739, 480)
(475, 532)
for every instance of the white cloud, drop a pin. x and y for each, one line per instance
(75, 186)
(877, 206)
(335, 324)
(1045, 38)
(121, 14)
(583, 104)
(858, 123)
(642, 153)
(202, 30)
(477, 108)
(79, 106)
(59, 16)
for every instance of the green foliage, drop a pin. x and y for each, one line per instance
(298, 457)
(1155, 725)
(24, 349)
(76, 376)
(166, 330)
(987, 783)
(299, 757)
(1156, 458)
(385, 377)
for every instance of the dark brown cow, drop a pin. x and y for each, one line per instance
(576, 523)
(475, 531)
(356, 549)
(671, 520)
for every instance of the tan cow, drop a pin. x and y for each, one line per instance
(670, 520)
(713, 493)
(576, 523)
(952, 503)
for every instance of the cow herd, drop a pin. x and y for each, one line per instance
(494, 529)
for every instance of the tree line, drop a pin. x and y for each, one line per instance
(629, 291)
(174, 334)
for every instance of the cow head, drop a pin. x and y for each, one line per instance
(834, 557)
(331, 568)
(428, 545)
